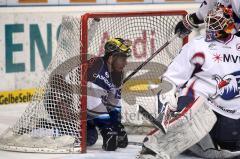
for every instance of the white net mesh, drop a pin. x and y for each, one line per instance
(148, 33)
(52, 121)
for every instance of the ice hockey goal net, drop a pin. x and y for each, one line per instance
(55, 119)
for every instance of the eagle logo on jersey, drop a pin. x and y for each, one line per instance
(228, 86)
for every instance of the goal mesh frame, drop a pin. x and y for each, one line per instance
(84, 40)
(84, 49)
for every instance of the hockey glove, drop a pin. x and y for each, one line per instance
(109, 139)
(167, 99)
(122, 136)
(184, 27)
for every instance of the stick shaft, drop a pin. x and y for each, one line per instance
(150, 58)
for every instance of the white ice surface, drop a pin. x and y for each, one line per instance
(10, 113)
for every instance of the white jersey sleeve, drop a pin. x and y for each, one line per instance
(236, 7)
(95, 95)
(205, 7)
(180, 71)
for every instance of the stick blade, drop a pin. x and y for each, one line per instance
(156, 122)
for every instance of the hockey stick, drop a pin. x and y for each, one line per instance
(150, 58)
(143, 111)
(156, 122)
(164, 119)
(135, 143)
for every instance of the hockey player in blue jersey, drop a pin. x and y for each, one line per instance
(105, 75)
(104, 79)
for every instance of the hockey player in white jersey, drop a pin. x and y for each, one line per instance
(206, 74)
(192, 21)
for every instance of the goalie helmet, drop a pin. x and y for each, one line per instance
(117, 46)
(219, 23)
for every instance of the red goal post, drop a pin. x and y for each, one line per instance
(141, 21)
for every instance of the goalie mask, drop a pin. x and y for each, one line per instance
(118, 46)
(219, 23)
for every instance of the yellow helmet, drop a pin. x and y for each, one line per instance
(118, 46)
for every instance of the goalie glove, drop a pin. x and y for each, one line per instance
(184, 27)
(167, 99)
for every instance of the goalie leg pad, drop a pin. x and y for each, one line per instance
(186, 131)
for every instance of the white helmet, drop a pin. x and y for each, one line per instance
(236, 7)
(219, 22)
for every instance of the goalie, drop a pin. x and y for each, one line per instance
(192, 21)
(205, 68)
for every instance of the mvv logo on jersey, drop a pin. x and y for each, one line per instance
(217, 57)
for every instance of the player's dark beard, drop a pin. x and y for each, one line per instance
(113, 65)
(117, 76)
